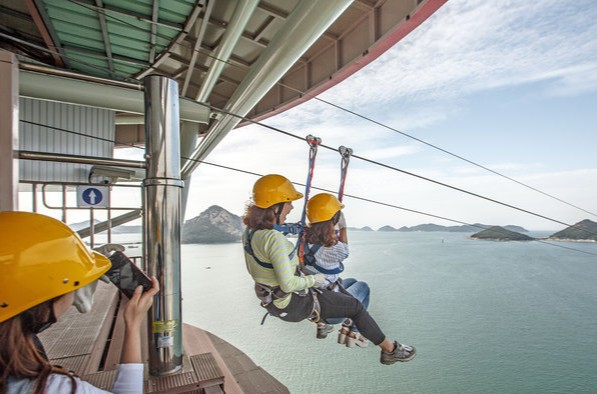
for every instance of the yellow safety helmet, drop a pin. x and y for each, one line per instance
(322, 207)
(273, 189)
(41, 258)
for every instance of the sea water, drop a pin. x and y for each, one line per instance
(486, 317)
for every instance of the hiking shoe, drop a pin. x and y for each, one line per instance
(401, 353)
(324, 330)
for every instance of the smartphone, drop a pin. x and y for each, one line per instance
(126, 275)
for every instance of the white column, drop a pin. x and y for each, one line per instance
(9, 131)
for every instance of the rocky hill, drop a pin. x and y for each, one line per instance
(215, 225)
(387, 228)
(585, 230)
(497, 233)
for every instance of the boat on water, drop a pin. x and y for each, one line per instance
(82, 78)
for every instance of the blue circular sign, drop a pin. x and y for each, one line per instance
(92, 196)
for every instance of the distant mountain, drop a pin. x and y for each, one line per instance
(366, 228)
(585, 230)
(116, 230)
(215, 225)
(497, 233)
(459, 229)
(387, 228)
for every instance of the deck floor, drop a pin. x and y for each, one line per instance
(90, 345)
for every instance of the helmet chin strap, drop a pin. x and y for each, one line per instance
(37, 327)
(278, 211)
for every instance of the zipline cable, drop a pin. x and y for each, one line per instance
(313, 187)
(398, 170)
(439, 148)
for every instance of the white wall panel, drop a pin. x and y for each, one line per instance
(67, 129)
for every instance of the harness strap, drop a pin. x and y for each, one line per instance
(313, 142)
(249, 250)
(309, 259)
(345, 153)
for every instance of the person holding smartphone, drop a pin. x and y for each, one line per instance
(42, 263)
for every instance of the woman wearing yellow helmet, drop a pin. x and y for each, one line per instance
(325, 252)
(270, 257)
(43, 262)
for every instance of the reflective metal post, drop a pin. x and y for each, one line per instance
(162, 189)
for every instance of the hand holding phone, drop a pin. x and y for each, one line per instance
(126, 275)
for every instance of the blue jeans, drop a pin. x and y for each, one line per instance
(359, 290)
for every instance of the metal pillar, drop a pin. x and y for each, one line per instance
(9, 131)
(162, 190)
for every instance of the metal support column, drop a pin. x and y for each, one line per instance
(162, 190)
(9, 131)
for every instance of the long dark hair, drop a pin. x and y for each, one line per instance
(19, 357)
(322, 233)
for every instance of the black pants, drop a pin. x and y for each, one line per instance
(333, 305)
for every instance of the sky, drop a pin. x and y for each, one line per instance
(509, 85)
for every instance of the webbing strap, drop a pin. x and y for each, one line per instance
(309, 259)
(345, 153)
(249, 250)
(313, 142)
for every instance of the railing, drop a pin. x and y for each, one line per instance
(66, 203)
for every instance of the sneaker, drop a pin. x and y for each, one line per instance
(342, 335)
(324, 330)
(401, 353)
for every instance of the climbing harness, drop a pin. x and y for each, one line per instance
(268, 294)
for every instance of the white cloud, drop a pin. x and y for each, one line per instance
(513, 43)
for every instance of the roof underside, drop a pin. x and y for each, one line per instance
(208, 46)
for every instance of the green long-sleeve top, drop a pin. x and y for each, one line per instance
(271, 246)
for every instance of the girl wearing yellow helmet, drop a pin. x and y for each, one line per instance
(283, 290)
(327, 250)
(43, 263)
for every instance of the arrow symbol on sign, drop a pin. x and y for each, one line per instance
(92, 197)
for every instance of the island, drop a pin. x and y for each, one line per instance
(585, 230)
(215, 225)
(468, 228)
(497, 233)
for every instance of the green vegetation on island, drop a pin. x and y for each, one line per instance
(585, 230)
(459, 229)
(497, 233)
